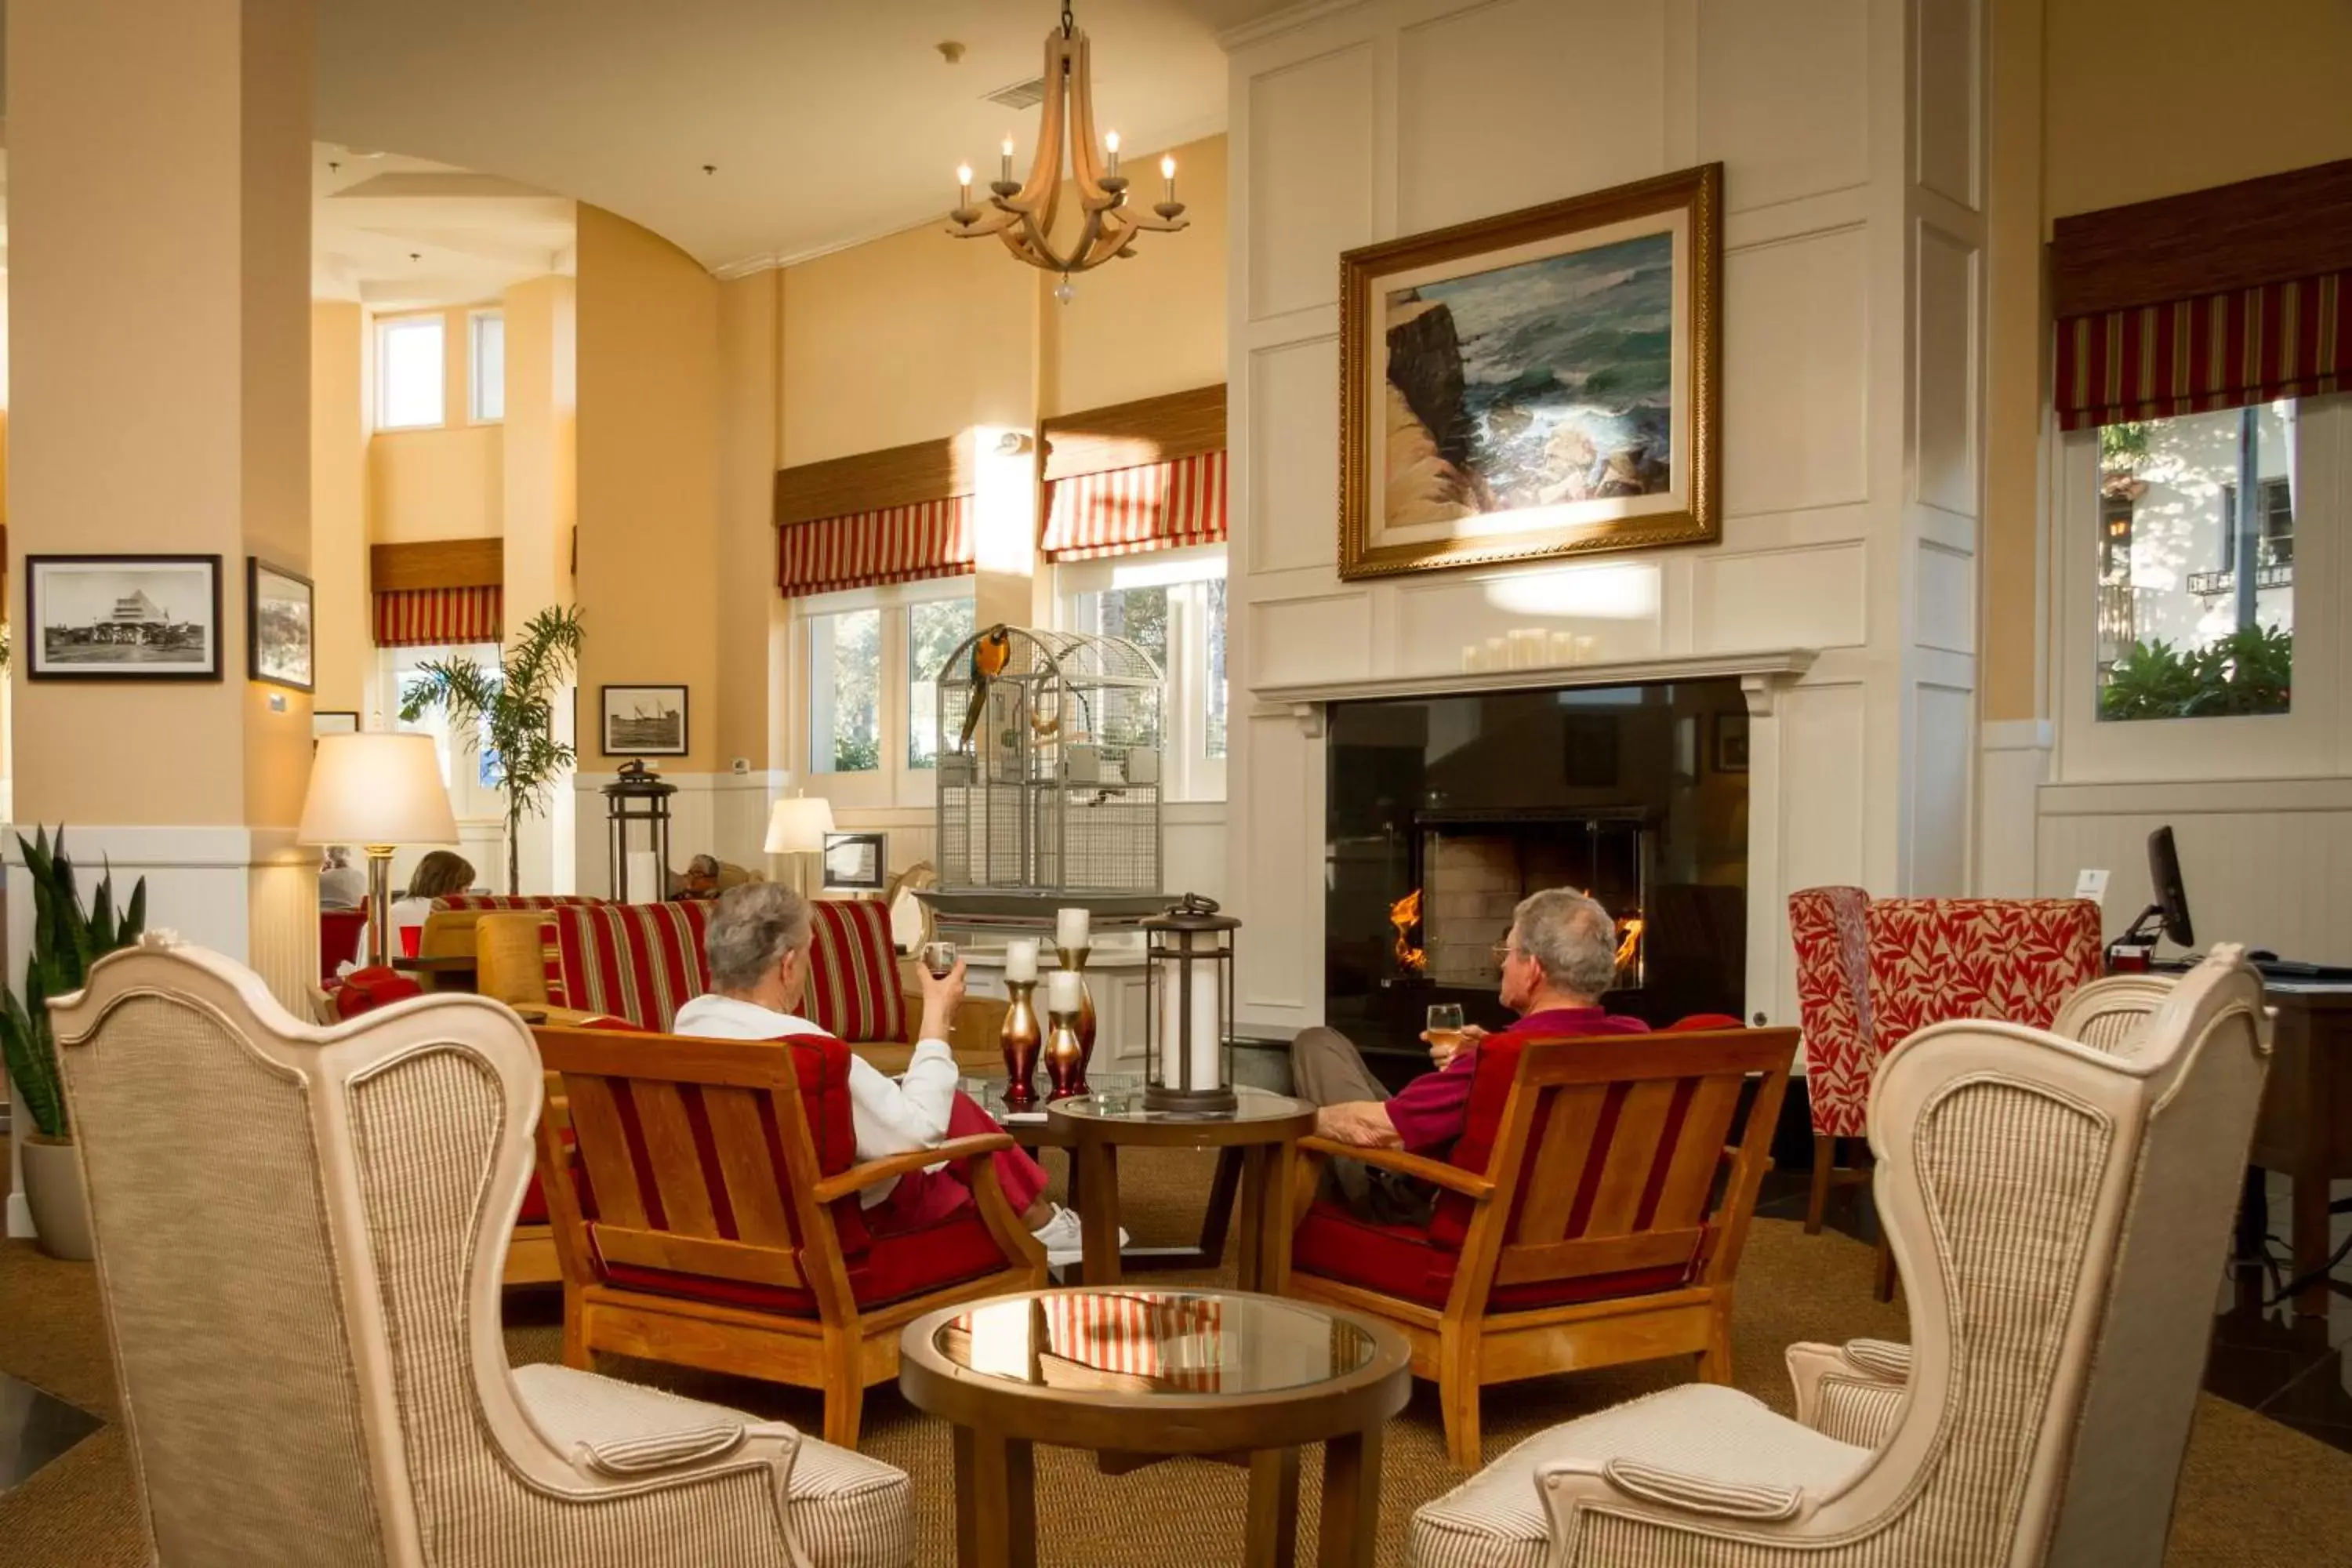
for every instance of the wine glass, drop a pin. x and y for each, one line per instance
(940, 958)
(1444, 1031)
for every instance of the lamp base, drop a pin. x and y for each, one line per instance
(1207, 1104)
(379, 865)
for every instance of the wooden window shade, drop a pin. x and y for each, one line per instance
(438, 590)
(2213, 299)
(1149, 475)
(899, 515)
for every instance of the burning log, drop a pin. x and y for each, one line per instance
(1405, 914)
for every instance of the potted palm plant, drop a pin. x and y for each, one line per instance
(66, 942)
(512, 710)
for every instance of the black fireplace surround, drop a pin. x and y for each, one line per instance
(1445, 811)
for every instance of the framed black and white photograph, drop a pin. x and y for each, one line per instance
(123, 617)
(644, 720)
(857, 862)
(333, 722)
(278, 625)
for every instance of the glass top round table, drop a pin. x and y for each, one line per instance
(1150, 1343)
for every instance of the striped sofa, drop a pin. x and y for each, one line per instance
(449, 925)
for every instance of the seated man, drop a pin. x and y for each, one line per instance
(700, 881)
(758, 947)
(1559, 957)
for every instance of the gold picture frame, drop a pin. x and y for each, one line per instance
(1547, 382)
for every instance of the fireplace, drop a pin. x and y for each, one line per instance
(1446, 811)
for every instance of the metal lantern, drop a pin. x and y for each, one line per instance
(638, 796)
(1188, 1009)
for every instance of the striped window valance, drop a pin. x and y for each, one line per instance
(1118, 511)
(410, 618)
(894, 544)
(2217, 350)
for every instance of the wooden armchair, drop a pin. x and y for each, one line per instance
(1592, 1214)
(707, 1214)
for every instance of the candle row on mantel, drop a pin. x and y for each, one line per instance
(1528, 647)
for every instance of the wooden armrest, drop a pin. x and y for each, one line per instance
(1452, 1178)
(857, 1178)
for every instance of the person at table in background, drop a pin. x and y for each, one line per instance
(439, 875)
(757, 945)
(1558, 959)
(701, 879)
(342, 885)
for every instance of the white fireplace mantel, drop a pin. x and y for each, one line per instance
(1762, 675)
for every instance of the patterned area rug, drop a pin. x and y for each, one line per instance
(2253, 1493)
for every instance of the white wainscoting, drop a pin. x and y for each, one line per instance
(1852, 405)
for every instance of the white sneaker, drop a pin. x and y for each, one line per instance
(1063, 1238)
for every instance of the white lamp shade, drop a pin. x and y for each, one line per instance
(376, 789)
(798, 825)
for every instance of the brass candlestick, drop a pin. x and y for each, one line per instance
(1073, 959)
(1066, 1064)
(1022, 1039)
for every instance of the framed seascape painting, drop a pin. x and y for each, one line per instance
(644, 720)
(278, 625)
(123, 617)
(1541, 383)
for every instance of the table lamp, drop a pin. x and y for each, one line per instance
(380, 791)
(797, 826)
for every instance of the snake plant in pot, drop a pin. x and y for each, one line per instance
(66, 942)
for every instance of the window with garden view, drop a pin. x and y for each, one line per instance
(2196, 580)
(845, 692)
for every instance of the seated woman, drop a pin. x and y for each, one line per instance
(758, 947)
(437, 876)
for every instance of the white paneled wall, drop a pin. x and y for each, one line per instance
(1851, 138)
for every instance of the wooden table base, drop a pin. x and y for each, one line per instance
(996, 1503)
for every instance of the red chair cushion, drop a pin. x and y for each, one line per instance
(888, 1268)
(638, 961)
(853, 971)
(1411, 1263)
(365, 990)
(339, 939)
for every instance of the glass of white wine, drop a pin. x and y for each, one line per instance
(1444, 1031)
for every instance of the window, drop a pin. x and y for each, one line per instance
(934, 627)
(465, 759)
(1170, 604)
(488, 366)
(408, 374)
(2196, 611)
(845, 692)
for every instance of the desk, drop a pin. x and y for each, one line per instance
(2305, 1128)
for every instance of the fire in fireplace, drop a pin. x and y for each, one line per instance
(1445, 812)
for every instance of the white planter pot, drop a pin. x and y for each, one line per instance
(53, 1192)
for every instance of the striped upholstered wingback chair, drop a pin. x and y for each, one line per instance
(2059, 1211)
(298, 1232)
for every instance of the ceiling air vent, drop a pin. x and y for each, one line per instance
(1020, 95)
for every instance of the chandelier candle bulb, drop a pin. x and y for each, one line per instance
(1062, 992)
(1168, 175)
(1021, 962)
(1004, 167)
(1071, 929)
(1110, 146)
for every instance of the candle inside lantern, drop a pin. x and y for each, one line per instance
(1021, 962)
(1071, 928)
(1061, 991)
(645, 878)
(1189, 1047)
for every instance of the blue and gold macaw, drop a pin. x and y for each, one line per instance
(990, 652)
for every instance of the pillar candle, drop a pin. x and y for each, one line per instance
(1586, 647)
(1021, 962)
(1498, 654)
(1563, 647)
(1470, 661)
(1070, 928)
(644, 877)
(1061, 991)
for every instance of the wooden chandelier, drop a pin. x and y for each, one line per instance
(1022, 215)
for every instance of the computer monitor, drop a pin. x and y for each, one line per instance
(2171, 897)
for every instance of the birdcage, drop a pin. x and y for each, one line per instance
(1049, 768)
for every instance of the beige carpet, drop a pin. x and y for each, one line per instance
(2253, 1494)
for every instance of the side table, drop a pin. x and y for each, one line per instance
(1149, 1374)
(1265, 1129)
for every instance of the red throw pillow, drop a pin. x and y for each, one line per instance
(365, 990)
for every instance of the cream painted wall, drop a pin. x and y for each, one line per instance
(648, 458)
(447, 482)
(2118, 130)
(1154, 322)
(2016, 361)
(541, 409)
(906, 338)
(340, 400)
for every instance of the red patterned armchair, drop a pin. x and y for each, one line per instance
(1871, 971)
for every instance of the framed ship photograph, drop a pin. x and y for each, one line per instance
(122, 618)
(1546, 382)
(644, 720)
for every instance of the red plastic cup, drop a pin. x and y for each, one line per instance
(409, 937)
